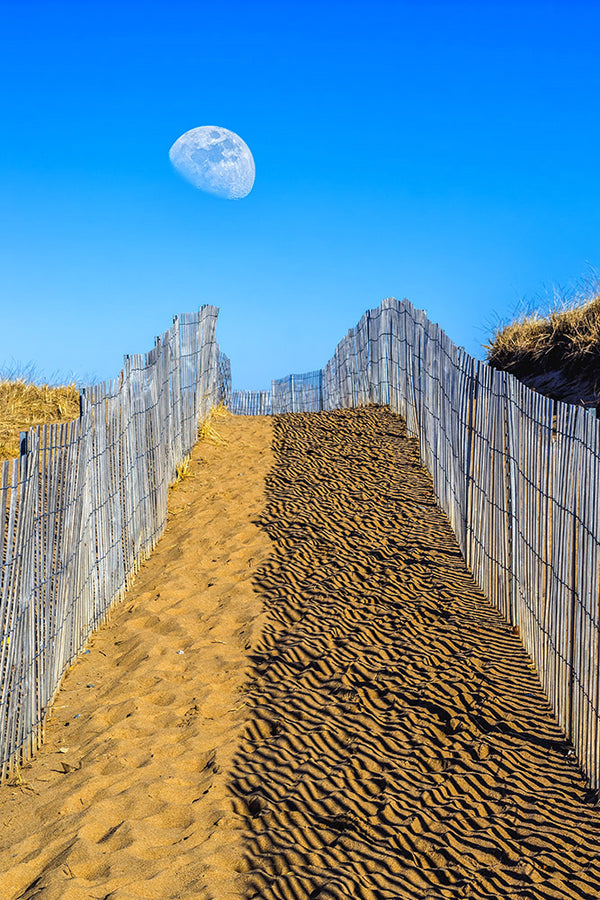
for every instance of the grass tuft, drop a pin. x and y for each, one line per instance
(182, 471)
(564, 339)
(207, 431)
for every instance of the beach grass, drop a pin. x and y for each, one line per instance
(24, 404)
(564, 338)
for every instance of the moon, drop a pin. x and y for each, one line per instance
(214, 160)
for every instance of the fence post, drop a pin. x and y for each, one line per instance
(23, 449)
(390, 356)
(570, 725)
(510, 588)
(471, 412)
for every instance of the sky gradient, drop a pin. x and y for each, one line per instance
(444, 152)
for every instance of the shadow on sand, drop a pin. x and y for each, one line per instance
(400, 744)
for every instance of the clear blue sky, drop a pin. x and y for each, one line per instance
(446, 152)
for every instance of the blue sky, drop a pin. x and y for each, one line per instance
(446, 152)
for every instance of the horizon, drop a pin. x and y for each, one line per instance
(442, 152)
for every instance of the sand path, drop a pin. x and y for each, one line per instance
(369, 727)
(138, 805)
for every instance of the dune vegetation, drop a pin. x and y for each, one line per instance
(556, 352)
(24, 404)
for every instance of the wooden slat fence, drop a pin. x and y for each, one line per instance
(251, 403)
(516, 473)
(84, 506)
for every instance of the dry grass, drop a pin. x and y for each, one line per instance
(182, 471)
(566, 339)
(207, 431)
(24, 404)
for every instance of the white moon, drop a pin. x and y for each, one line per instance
(215, 160)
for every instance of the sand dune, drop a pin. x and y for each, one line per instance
(304, 696)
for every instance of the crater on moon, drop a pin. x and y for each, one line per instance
(214, 160)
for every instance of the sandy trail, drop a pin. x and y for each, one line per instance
(138, 806)
(349, 717)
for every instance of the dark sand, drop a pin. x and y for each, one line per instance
(400, 744)
(349, 718)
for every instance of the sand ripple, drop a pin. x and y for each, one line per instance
(400, 744)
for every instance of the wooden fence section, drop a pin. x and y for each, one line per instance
(517, 475)
(251, 403)
(84, 506)
(302, 393)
